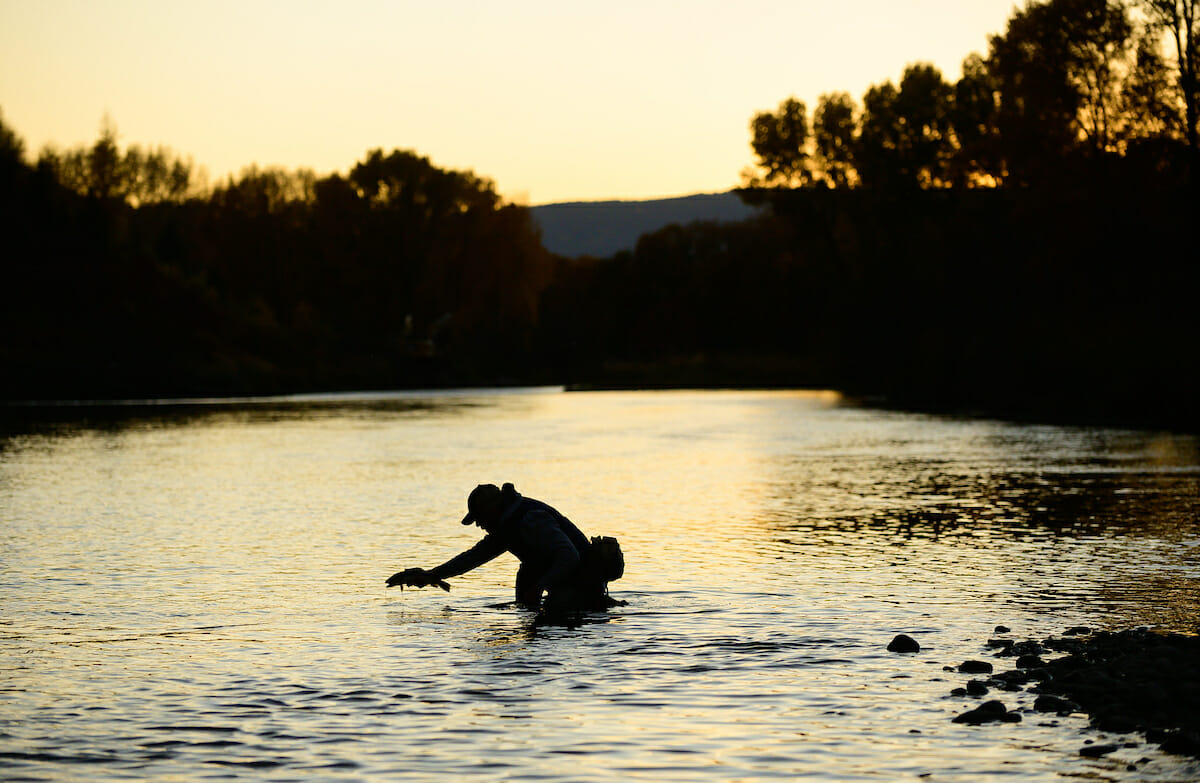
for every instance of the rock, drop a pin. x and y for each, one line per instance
(1072, 645)
(975, 667)
(1096, 751)
(904, 644)
(1022, 648)
(988, 712)
(1014, 678)
(1003, 643)
(976, 718)
(1184, 743)
(1116, 723)
(976, 688)
(1048, 703)
(1132, 680)
(1002, 629)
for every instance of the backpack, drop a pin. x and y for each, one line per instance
(610, 562)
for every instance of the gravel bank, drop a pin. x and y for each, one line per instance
(1126, 681)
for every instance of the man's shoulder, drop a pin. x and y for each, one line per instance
(538, 515)
(533, 507)
(529, 502)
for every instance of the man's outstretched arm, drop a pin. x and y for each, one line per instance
(486, 550)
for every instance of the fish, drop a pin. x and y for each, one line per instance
(415, 577)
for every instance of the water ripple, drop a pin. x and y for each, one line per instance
(198, 593)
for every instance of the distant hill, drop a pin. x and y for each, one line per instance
(602, 228)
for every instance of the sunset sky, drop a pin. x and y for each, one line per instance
(554, 100)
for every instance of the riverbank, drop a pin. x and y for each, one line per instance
(1128, 681)
(1040, 400)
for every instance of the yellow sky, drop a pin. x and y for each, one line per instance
(555, 100)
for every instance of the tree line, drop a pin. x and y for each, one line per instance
(1018, 241)
(125, 275)
(1072, 88)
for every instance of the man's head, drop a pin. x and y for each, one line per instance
(483, 506)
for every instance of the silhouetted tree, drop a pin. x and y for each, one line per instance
(925, 104)
(1153, 119)
(69, 168)
(104, 164)
(151, 176)
(1059, 68)
(834, 130)
(877, 151)
(974, 120)
(1039, 105)
(1102, 46)
(780, 142)
(906, 138)
(1179, 20)
(138, 176)
(12, 148)
(266, 191)
(414, 213)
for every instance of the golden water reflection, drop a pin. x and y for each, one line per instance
(222, 566)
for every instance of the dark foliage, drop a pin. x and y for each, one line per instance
(1076, 305)
(398, 275)
(1068, 86)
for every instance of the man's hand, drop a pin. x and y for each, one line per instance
(415, 577)
(530, 596)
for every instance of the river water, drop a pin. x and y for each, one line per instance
(196, 591)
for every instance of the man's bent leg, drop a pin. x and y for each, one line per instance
(527, 592)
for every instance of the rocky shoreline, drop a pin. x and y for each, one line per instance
(1127, 681)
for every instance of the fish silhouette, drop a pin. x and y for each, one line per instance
(415, 577)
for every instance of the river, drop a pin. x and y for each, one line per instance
(195, 590)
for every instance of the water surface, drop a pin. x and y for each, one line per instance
(196, 591)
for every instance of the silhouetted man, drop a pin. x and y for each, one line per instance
(556, 557)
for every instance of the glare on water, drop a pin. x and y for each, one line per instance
(196, 591)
